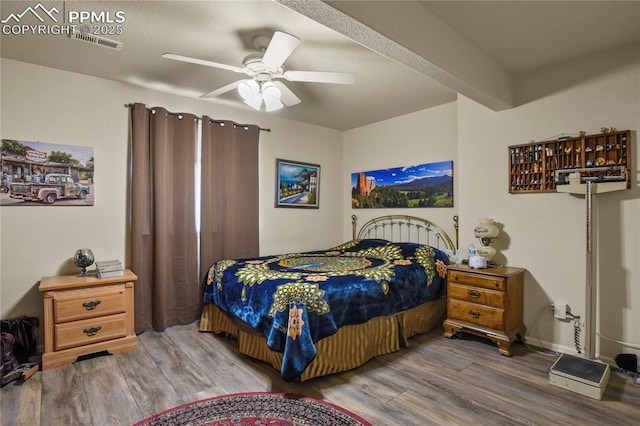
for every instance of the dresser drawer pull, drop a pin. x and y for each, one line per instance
(455, 277)
(91, 305)
(474, 294)
(474, 314)
(92, 331)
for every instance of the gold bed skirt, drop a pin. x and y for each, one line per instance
(350, 347)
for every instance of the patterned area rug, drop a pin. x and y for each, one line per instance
(256, 409)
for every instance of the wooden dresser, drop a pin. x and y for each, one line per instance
(486, 302)
(84, 315)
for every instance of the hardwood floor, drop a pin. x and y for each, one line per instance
(434, 382)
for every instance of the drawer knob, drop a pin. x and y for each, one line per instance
(91, 305)
(474, 314)
(496, 283)
(455, 277)
(474, 294)
(92, 331)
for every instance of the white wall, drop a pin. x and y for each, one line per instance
(428, 136)
(543, 233)
(43, 104)
(285, 230)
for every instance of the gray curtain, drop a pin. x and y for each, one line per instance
(162, 224)
(229, 209)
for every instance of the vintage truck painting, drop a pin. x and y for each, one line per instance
(55, 187)
(45, 174)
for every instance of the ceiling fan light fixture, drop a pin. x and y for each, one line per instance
(273, 106)
(271, 95)
(254, 103)
(264, 69)
(249, 90)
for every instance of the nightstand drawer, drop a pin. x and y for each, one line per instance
(83, 332)
(486, 302)
(477, 295)
(80, 304)
(85, 315)
(483, 316)
(485, 281)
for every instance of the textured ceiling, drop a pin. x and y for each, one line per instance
(406, 55)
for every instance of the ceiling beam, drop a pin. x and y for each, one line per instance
(406, 32)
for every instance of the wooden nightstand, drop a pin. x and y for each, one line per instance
(486, 302)
(84, 315)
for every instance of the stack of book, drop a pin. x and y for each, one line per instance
(109, 268)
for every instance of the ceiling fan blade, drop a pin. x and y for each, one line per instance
(320, 77)
(202, 62)
(287, 97)
(279, 49)
(224, 89)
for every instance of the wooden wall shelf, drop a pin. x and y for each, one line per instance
(533, 167)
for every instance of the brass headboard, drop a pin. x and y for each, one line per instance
(404, 228)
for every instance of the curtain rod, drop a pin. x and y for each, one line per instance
(179, 115)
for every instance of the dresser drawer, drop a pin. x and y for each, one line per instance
(477, 295)
(485, 281)
(92, 330)
(89, 303)
(484, 316)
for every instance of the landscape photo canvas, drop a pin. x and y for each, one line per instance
(424, 185)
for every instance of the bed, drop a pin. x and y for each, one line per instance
(317, 313)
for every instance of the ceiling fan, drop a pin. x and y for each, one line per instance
(265, 69)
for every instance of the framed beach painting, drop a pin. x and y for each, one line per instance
(297, 184)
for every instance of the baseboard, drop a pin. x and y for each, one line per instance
(534, 341)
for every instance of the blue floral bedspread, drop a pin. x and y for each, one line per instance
(299, 298)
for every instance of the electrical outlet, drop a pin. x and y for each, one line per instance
(560, 310)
